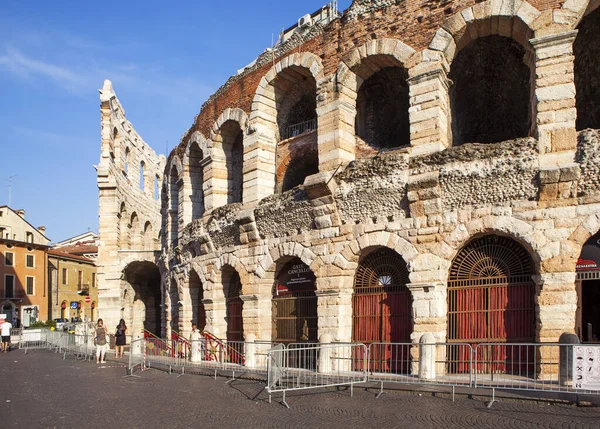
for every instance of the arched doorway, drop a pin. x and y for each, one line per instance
(491, 299)
(588, 291)
(382, 309)
(142, 304)
(294, 305)
(232, 288)
(197, 297)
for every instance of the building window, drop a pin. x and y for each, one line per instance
(9, 286)
(93, 279)
(65, 275)
(30, 289)
(9, 258)
(29, 261)
(29, 237)
(79, 279)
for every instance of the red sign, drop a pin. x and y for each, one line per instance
(88, 299)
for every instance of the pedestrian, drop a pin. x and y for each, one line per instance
(195, 343)
(120, 338)
(5, 327)
(16, 322)
(100, 341)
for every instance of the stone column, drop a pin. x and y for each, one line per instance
(557, 305)
(555, 98)
(334, 309)
(429, 312)
(250, 314)
(259, 160)
(430, 124)
(336, 139)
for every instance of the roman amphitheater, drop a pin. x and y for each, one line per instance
(395, 169)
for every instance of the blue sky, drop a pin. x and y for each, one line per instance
(164, 59)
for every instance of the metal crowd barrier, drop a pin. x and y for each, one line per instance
(445, 364)
(137, 357)
(302, 367)
(544, 367)
(15, 338)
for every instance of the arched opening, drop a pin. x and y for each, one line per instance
(93, 311)
(294, 303)
(232, 140)
(491, 299)
(142, 305)
(142, 176)
(148, 237)
(126, 160)
(113, 143)
(382, 309)
(156, 188)
(491, 96)
(174, 300)
(124, 233)
(173, 205)
(63, 310)
(232, 289)
(296, 101)
(135, 232)
(197, 180)
(587, 71)
(197, 297)
(382, 104)
(588, 291)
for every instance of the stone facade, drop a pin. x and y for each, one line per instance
(425, 201)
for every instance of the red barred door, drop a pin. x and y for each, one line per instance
(235, 322)
(382, 308)
(491, 300)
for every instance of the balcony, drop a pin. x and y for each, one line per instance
(83, 289)
(297, 129)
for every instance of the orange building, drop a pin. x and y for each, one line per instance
(23, 268)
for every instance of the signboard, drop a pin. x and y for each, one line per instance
(74, 304)
(295, 277)
(589, 260)
(88, 299)
(586, 367)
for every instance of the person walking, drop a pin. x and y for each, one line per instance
(5, 327)
(101, 341)
(120, 338)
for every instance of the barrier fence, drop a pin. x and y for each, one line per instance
(537, 367)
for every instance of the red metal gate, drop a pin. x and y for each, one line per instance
(382, 308)
(491, 299)
(235, 322)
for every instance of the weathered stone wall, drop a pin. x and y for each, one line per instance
(425, 201)
(283, 215)
(129, 216)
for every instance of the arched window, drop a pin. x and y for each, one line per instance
(197, 180)
(174, 205)
(382, 105)
(587, 71)
(156, 188)
(126, 160)
(491, 93)
(142, 176)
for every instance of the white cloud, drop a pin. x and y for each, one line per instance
(26, 67)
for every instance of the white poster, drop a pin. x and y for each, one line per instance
(586, 367)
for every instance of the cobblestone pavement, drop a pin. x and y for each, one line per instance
(40, 390)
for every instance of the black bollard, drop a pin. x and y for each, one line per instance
(566, 358)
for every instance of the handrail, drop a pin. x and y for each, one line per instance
(238, 355)
(147, 334)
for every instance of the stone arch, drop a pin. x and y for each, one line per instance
(236, 114)
(578, 9)
(372, 82)
(197, 151)
(124, 236)
(268, 263)
(284, 114)
(228, 158)
(350, 255)
(487, 47)
(502, 225)
(229, 259)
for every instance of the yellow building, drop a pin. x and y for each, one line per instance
(73, 286)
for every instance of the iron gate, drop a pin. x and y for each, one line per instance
(491, 299)
(382, 308)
